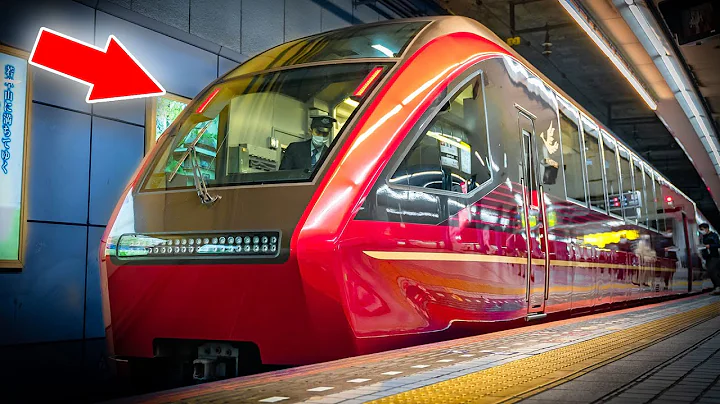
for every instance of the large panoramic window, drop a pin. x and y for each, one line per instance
(612, 176)
(268, 128)
(572, 152)
(452, 153)
(385, 40)
(594, 163)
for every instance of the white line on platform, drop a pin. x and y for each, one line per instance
(321, 389)
(273, 399)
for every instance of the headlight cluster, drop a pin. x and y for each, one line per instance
(186, 245)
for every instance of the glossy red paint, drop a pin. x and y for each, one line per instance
(332, 298)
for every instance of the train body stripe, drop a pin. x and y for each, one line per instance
(443, 256)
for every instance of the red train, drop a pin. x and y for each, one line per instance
(373, 187)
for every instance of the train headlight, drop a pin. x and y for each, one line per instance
(259, 243)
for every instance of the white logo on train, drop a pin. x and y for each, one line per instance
(550, 143)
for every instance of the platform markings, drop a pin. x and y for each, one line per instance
(392, 373)
(445, 360)
(320, 388)
(358, 380)
(467, 356)
(520, 379)
(420, 366)
(273, 399)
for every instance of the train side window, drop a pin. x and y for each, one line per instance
(452, 153)
(639, 193)
(593, 161)
(572, 152)
(660, 205)
(649, 197)
(628, 201)
(611, 175)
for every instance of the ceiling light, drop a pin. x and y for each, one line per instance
(663, 53)
(605, 47)
(385, 51)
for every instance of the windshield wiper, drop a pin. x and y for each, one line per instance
(198, 178)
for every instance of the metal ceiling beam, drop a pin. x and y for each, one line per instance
(663, 25)
(635, 120)
(544, 28)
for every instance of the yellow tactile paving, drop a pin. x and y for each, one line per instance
(523, 378)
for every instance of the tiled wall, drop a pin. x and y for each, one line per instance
(82, 156)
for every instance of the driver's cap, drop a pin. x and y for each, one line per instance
(322, 123)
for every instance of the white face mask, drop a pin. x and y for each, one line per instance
(318, 141)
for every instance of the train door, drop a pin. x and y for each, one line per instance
(534, 217)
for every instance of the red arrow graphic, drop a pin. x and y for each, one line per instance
(112, 73)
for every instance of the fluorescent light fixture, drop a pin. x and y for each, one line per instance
(443, 138)
(605, 47)
(663, 53)
(385, 51)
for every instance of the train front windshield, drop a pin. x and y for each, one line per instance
(267, 128)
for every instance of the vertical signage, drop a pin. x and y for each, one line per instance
(13, 140)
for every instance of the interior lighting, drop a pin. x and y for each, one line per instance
(371, 77)
(603, 239)
(445, 139)
(207, 101)
(385, 51)
(605, 47)
(661, 51)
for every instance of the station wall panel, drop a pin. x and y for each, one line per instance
(94, 326)
(262, 25)
(225, 65)
(366, 15)
(117, 149)
(175, 13)
(59, 162)
(52, 89)
(302, 18)
(181, 68)
(219, 21)
(331, 20)
(124, 3)
(132, 111)
(20, 21)
(45, 302)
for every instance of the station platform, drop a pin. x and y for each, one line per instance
(660, 353)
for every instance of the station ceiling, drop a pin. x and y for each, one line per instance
(580, 68)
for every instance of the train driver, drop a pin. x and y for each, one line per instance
(305, 154)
